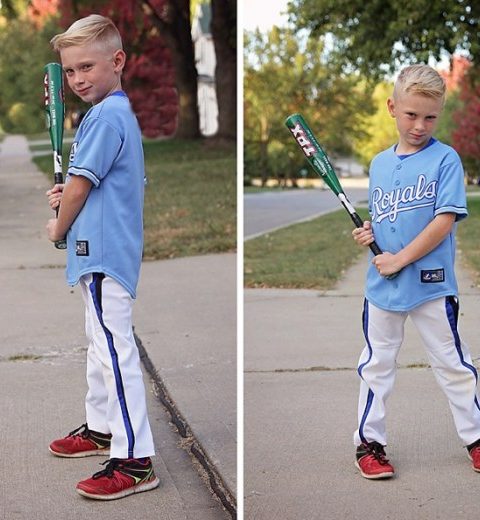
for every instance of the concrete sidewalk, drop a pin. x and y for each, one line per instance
(301, 390)
(185, 320)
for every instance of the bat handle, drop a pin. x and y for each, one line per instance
(375, 249)
(59, 244)
(373, 246)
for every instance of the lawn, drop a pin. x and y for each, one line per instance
(468, 235)
(312, 255)
(315, 255)
(190, 197)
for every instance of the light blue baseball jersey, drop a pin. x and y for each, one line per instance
(405, 194)
(107, 235)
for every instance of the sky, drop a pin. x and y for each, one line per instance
(263, 14)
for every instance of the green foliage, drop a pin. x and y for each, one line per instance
(447, 124)
(13, 8)
(382, 131)
(24, 50)
(379, 35)
(286, 73)
(469, 236)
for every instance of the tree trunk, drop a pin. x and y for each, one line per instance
(173, 21)
(224, 25)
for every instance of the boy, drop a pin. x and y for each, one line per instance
(101, 216)
(416, 196)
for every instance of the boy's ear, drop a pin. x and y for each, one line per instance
(119, 58)
(391, 106)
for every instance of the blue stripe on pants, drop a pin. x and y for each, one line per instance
(451, 304)
(96, 292)
(371, 395)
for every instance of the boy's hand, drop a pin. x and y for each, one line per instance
(55, 195)
(52, 232)
(363, 235)
(387, 264)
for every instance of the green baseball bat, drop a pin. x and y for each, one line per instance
(320, 163)
(55, 116)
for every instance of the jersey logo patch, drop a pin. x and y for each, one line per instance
(82, 248)
(432, 275)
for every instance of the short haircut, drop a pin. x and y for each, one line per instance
(420, 79)
(91, 29)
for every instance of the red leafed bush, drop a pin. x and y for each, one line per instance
(466, 137)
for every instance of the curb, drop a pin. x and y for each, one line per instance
(188, 439)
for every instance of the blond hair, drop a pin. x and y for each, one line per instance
(91, 29)
(420, 79)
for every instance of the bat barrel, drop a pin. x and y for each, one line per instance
(55, 116)
(320, 163)
(303, 134)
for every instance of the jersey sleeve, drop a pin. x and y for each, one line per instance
(96, 150)
(451, 197)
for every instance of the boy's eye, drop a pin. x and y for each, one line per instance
(86, 67)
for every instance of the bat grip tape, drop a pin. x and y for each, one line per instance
(374, 247)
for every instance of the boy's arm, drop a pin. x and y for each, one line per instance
(74, 196)
(426, 241)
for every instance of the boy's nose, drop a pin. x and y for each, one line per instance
(419, 125)
(78, 79)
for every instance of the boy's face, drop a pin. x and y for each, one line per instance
(416, 116)
(92, 72)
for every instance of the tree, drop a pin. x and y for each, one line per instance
(21, 75)
(382, 131)
(12, 9)
(172, 17)
(286, 74)
(376, 37)
(224, 23)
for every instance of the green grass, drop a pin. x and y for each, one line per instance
(190, 198)
(468, 234)
(312, 255)
(277, 189)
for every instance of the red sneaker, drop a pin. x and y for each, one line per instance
(121, 477)
(82, 442)
(372, 461)
(474, 455)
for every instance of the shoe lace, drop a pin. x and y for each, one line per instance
(111, 466)
(377, 450)
(81, 430)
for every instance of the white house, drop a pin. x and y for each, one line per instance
(205, 61)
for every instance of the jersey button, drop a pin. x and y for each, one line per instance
(397, 183)
(392, 229)
(399, 166)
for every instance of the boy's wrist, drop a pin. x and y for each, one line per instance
(401, 259)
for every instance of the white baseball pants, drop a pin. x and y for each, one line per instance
(115, 401)
(449, 357)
